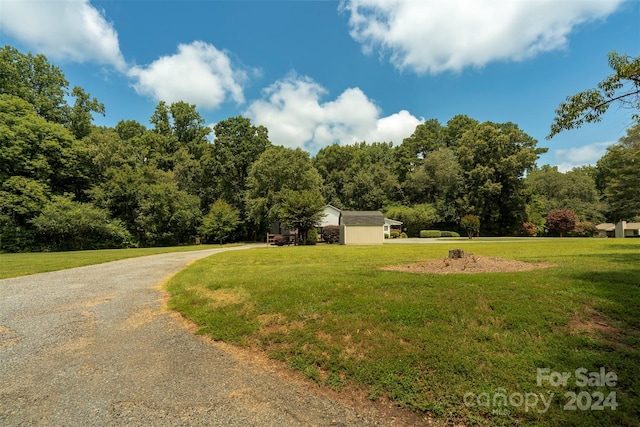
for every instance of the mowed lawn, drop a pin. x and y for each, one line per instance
(466, 348)
(21, 264)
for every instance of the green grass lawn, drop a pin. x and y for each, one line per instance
(433, 342)
(22, 264)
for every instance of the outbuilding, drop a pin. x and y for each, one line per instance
(361, 228)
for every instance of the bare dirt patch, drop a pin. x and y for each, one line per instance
(469, 264)
(591, 321)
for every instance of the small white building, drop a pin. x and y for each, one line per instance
(361, 228)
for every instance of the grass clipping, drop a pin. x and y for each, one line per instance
(468, 264)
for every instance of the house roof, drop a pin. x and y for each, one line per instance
(361, 218)
(606, 226)
(392, 221)
(332, 207)
(633, 226)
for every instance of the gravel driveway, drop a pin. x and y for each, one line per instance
(94, 346)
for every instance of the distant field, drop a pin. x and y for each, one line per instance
(22, 264)
(465, 348)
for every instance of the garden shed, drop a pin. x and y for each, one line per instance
(361, 228)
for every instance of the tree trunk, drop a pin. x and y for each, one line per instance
(456, 253)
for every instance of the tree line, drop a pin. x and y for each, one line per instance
(68, 184)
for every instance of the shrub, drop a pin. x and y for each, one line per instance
(386, 235)
(403, 235)
(450, 234)
(331, 234)
(395, 234)
(529, 229)
(220, 223)
(430, 234)
(312, 237)
(65, 224)
(585, 229)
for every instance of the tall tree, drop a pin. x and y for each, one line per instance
(301, 210)
(494, 158)
(438, 180)
(35, 80)
(80, 117)
(32, 147)
(427, 137)
(622, 88)
(277, 172)
(333, 163)
(237, 145)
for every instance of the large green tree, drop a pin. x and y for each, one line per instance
(437, 180)
(359, 176)
(32, 147)
(301, 210)
(237, 145)
(494, 158)
(276, 173)
(35, 80)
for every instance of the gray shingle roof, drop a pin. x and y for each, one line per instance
(361, 218)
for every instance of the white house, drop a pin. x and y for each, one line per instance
(331, 216)
(388, 224)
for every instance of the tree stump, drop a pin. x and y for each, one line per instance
(456, 253)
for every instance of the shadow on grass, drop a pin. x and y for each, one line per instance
(605, 334)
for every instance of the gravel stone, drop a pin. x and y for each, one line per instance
(95, 346)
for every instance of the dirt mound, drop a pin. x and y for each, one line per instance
(469, 264)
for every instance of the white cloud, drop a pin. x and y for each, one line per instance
(448, 35)
(69, 30)
(198, 73)
(295, 117)
(578, 156)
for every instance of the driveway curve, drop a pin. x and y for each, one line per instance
(94, 346)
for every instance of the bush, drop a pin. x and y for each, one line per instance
(449, 234)
(529, 229)
(331, 234)
(585, 229)
(430, 234)
(403, 235)
(312, 237)
(65, 224)
(386, 235)
(395, 234)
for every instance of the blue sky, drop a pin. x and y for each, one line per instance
(319, 72)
